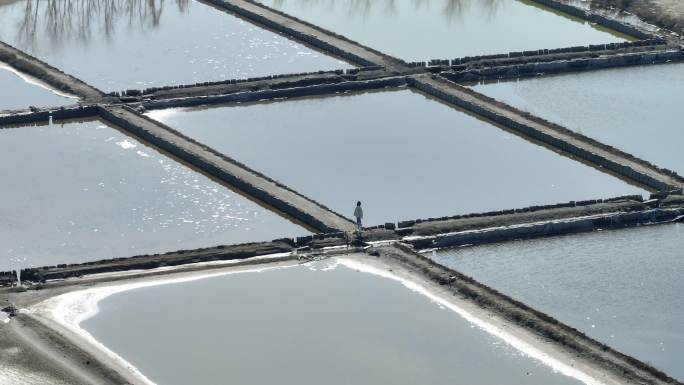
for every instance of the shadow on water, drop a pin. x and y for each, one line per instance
(81, 20)
(452, 10)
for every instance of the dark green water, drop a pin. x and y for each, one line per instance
(428, 29)
(405, 156)
(85, 191)
(635, 109)
(623, 288)
(122, 44)
(298, 326)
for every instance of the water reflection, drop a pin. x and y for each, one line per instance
(451, 9)
(82, 20)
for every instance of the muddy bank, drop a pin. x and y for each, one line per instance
(668, 14)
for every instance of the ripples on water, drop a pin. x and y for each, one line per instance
(121, 44)
(85, 191)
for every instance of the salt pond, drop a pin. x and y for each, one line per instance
(635, 109)
(404, 155)
(446, 29)
(20, 92)
(121, 44)
(623, 288)
(323, 323)
(84, 191)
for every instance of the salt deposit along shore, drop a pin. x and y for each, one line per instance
(45, 337)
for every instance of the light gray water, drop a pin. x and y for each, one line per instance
(404, 155)
(298, 326)
(635, 109)
(623, 288)
(446, 29)
(16, 93)
(122, 44)
(84, 191)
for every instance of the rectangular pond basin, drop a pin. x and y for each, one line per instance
(18, 91)
(83, 191)
(122, 44)
(403, 155)
(447, 29)
(305, 325)
(621, 287)
(635, 109)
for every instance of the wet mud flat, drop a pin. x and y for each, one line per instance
(120, 47)
(620, 287)
(18, 91)
(78, 191)
(445, 29)
(633, 109)
(368, 146)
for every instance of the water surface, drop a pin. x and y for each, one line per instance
(302, 326)
(636, 109)
(121, 44)
(428, 29)
(84, 191)
(623, 288)
(18, 93)
(403, 155)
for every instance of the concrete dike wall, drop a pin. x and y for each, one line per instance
(270, 94)
(574, 144)
(308, 33)
(252, 183)
(44, 72)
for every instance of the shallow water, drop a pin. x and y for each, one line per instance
(405, 156)
(85, 191)
(623, 288)
(635, 109)
(122, 44)
(17, 93)
(446, 29)
(306, 326)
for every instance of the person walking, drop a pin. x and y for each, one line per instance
(358, 213)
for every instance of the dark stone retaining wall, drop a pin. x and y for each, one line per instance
(270, 94)
(561, 66)
(570, 148)
(152, 90)
(560, 227)
(530, 209)
(43, 116)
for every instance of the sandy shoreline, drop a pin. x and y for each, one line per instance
(65, 312)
